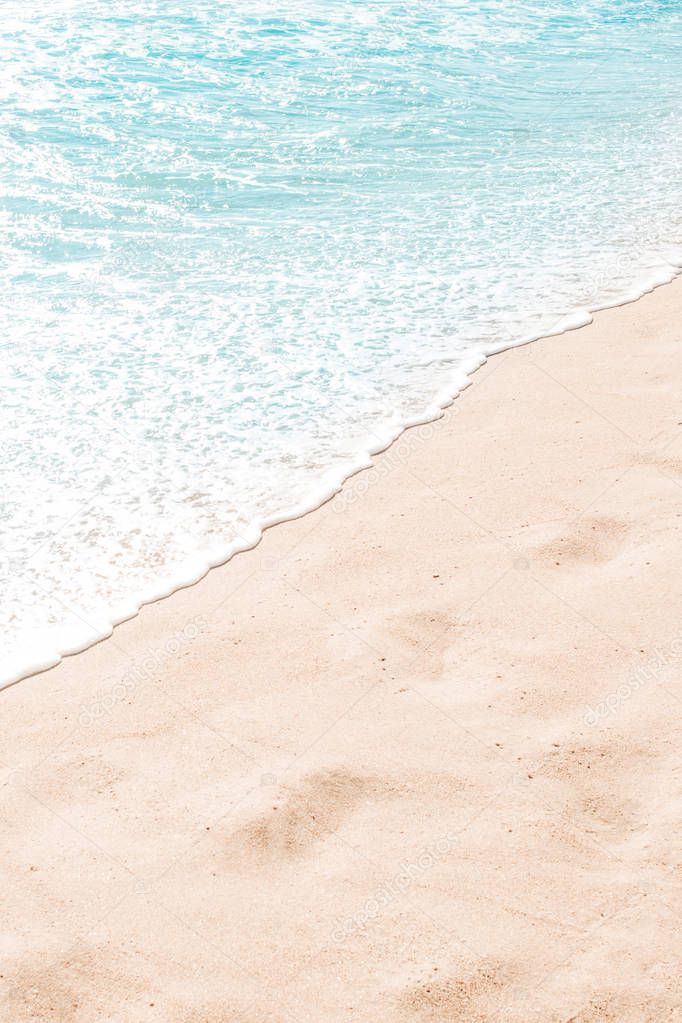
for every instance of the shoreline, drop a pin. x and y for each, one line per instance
(333, 482)
(412, 757)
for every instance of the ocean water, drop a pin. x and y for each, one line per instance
(244, 244)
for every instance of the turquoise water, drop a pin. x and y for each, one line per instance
(242, 245)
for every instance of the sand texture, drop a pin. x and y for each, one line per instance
(415, 758)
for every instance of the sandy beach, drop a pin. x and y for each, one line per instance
(414, 758)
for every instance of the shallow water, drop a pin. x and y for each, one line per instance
(242, 246)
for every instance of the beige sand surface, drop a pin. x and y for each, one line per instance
(415, 758)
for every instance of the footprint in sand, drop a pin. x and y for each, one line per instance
(590, 540)
(462, 997)
(302, 815)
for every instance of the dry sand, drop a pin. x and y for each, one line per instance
(415, 758)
